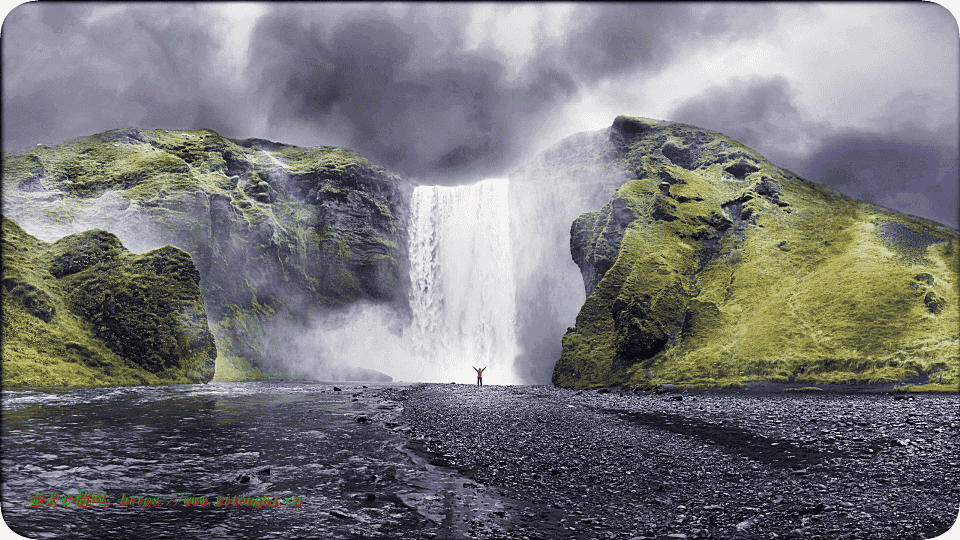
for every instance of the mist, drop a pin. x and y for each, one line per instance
(546, 196)
(461, 310)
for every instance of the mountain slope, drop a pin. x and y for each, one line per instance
(85, 311)
(278, 232)
(713, 267)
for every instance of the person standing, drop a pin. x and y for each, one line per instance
(480, 375)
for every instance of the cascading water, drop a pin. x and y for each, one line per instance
(461, 272)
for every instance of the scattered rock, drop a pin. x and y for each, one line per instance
(642, 479)
(934, 302)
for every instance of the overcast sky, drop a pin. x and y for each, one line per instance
(862, 97)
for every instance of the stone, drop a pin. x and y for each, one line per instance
(934, 302)
(741, 169)
(683, 157)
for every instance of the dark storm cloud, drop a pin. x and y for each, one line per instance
(908, 163)
(406, 85)
(914, 176)
(408, 106)
(612, 40)
(72, 70)
(620, 39)
(412, 97)
(758, 113)
(34, 114)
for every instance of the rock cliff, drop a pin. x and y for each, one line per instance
(277, 232)
(712, 267)
(85, 311)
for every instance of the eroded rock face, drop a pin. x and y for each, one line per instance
(710, 267)
(108, 317)
(276, 232)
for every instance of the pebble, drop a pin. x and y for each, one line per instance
(624, 464)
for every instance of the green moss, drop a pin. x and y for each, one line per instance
(932, 387)
(384, 210)
(236, 368)
(323, 158)
(752, 274)
(19, 168)
(316, 226)
(115, 318)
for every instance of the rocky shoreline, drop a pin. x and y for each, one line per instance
(560, 463)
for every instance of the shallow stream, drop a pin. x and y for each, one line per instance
(296, 442)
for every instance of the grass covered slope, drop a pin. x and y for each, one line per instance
(712, 267)
(85, 311)
(277, 232)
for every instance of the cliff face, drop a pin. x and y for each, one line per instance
(277, 232)
(713, 267)
(86, 311)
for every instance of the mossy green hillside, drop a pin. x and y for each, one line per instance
(713, 267)
(85, 311)
(267, 224)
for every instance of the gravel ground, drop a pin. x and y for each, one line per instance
(558, 463)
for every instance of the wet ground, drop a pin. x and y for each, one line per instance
(300, 441)
(587, 464)
(457, 461)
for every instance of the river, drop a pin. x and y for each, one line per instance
(327, 456)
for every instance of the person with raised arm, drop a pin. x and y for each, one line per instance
(480, 375)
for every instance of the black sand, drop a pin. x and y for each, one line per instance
(541, 462)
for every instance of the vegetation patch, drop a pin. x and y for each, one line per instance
(712, 267)
(298, 230)
(931, 387)
(84, 311)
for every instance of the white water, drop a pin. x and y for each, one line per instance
(461, 271)
(461, 299)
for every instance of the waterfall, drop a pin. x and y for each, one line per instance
(461, 272)
(462, 300)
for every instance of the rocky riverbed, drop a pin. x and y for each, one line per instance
(540, 462)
